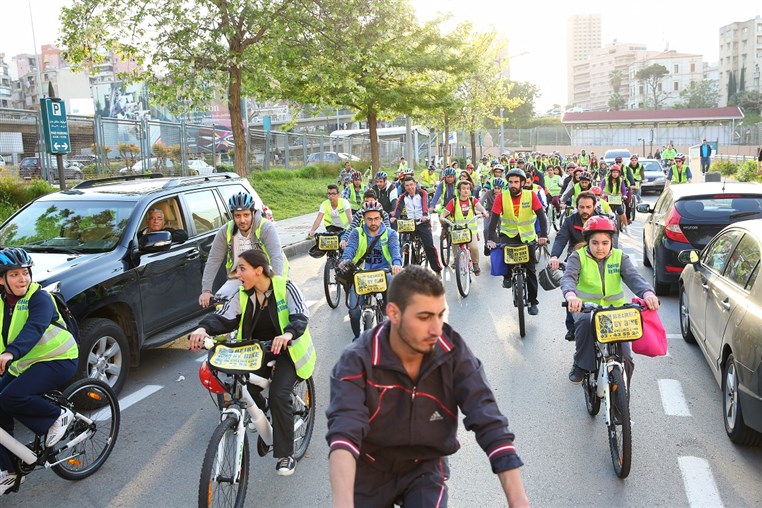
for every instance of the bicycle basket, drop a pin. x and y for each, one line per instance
(238, 358)
(405, 226)
(370, 281)
(516, 254)
(328, 242)
(460, 236)
(615, 199)
(617, 325)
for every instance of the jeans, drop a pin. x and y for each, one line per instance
(705, 163)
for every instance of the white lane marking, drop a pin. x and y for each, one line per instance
(128, 401)
(310, 303)
(671, 336)
(700, 487)
(672, 398)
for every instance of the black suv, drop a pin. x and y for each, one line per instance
(128, 291)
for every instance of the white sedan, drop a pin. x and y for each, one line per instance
(199, 167)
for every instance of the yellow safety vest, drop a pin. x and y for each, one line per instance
(301, 349)
(261, 245)
(681, 177)
(356, 197)
(56, 342)
(458, 214)
(523, 225)
(591, 288)
(362, 245)
(326, 209)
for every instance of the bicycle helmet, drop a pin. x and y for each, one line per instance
(469, 166)
(346, 179)
(634, 156)
(596, 190)
(618, 160)
(511, 161)
(241, 201)
(520, 161)
(550, 279)
(571, 165)
(680, 156)
(498, 183)
(13, 258)
(209, 380)
(356, 175)
(516, 172)
(598, 224)
(586, 176)
(615, 168)
(408, 172)
(484, 158)
(381, 175)
(432, 167)
(498, 167)
(372, 206)
(448, 172)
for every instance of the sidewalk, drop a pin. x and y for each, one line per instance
(293, 234)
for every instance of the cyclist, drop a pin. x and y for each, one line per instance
(445, 189)
(462, 212)
(583, 160)
(334, 212)
(414, 205)
(385, 191)
(354, 192)
(615, 185)
(400, 185)
(386, 448)
(679, 173)
(516, 226)
(483, 167)
(488, 199)
(466, 176)
(635, 175)
(429, 180)
(345, 172)
(384, 253)
(370, 197)
(584, 183)
(248, 230)
(572, 177)
(269, 307)
(668, 155)
(37, 354)
(595, 274)
(603, 170)
(554, 182)
(402, 168)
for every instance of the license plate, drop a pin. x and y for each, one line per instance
(370, 282)
(615, 199)
(618, 325)
(328, 242)
(405, 226)
(460, 236)
(516, 254)
(245, 358)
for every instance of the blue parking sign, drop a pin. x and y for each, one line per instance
(55, 126)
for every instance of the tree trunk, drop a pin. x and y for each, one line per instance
(473, 146)
(373, 133)
(236, 120)
(446, 141)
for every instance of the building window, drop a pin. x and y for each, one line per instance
(675, 69)
(640, 90)
(693, 67)
(675, 86)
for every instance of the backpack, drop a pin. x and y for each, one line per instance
(69, 320)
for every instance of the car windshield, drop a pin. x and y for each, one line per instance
(69, 226)
(720, 207)
(652, 166)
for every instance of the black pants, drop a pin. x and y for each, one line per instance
(424, 231)
(281, 409)
(422, 487)
(531, 266)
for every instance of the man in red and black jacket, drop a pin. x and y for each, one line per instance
(413, 204)
(395, 396)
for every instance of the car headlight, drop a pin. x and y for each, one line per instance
(660, 179)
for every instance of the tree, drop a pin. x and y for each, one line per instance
(616, 101)
(186, 55)
(732, 91)
(750, 101)
(651, 77)
(524, 93)
(704, 94)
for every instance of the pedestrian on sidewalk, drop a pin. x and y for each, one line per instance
(706, 154)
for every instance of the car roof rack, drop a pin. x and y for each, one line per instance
(87, 184)
(191, 180)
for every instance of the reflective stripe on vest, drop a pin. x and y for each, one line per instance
(458, 215)
(326, 209)
(301, 349)
(512, 226)
(258, 244)
(55, 343)
(362, 245)
(681, 177)
(590, 288)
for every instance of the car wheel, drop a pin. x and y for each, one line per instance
(104, 352)
(735, 426)
(646, 261)
(685, 318)
(660, 288)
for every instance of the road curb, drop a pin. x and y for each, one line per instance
(298, 249)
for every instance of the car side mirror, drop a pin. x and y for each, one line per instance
(688, 256)
(157, 241)
(644, 208)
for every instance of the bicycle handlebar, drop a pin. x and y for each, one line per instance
(457, 226)
(590, 306)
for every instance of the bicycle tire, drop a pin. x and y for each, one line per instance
(97, 401)
(406, 254)
(367, 320)
(462, 272)
(518, 301)
(330, 286)
(592, 402)
(445, 247)
(554, 218)
(420, 254)
(303, 403)
(619, 430)
(218, 489)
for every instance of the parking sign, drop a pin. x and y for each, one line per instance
(55, 126)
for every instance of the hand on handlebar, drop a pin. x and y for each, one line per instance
(197, 337)
(542, 241)
(343, 244)
(491, 244)
(554, 263)
(396, 269)
(574, 304)
(205, 298)
(652, 301)
(280, 343)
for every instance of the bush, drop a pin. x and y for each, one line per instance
(15, 193)
(726, 168)
(747, 172)
(225, 168)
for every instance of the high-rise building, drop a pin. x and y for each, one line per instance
(583, 36)
(740, 57)
(6, 87)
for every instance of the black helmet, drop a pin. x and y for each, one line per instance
(12, 258)
(550, 279)
(516, 172)
(241, 201)
(315, 252)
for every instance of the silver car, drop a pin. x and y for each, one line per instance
(721, 311)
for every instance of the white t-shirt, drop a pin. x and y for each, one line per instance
(240, 244)
(337, 212)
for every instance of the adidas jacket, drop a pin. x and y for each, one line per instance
(378, 414)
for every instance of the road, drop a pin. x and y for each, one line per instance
(681, 455)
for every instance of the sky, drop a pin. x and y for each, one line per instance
(536, 30)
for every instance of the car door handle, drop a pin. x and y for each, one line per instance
(194, 254)
(725, 304)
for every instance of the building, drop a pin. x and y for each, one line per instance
(583, 36)
(684, 70)
(740, 57)
(6, 86)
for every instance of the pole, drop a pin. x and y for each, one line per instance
(40, 143)
(59, 156)
(502, 134)
(409, 141)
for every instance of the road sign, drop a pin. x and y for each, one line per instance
(55, 126)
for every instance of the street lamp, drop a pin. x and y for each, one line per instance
(644, 146)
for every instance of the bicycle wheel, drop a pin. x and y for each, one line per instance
(367, 320)
(620, 437)
(303, 402)
(331, 287)
(592, 402)
(420, 257)
(518, 301)
(95, 400)
(445, 247)
(407, 253)
(463, 272)
(221, 485)
(554, 218)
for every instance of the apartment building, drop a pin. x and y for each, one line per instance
(683, 69)
(740, 57)
(583, 36)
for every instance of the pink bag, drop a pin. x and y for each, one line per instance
(654, 339)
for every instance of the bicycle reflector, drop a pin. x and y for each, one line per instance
(209, 380)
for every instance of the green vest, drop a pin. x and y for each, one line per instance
(681, 177)
(362, 245)
(56, 342)
(554, 185)
(458, 215)
(617, 190)
(301, 349)
(637, 172)
(326, 209)
(356, 197)
(523, 225)
(229, 238)
(590, 288)
(583, 160)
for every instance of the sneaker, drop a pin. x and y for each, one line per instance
(576, 375)
(507, 282)
(285, 466)
(570, 336)
(533, 310)
(58, 429)
(477, 270)
(7, 480)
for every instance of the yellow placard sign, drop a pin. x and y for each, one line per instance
(516, 254)
(618, 325)
(248, 358)
(370, 282)
(460, 236)
(615, 199)
(405, 226)
(328, 242)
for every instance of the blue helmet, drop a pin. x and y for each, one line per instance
(498, 183)
(381, 175)
(13, 258)
(448, 172)
(241, 201)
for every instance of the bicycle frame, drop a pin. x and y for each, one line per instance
(607, 357)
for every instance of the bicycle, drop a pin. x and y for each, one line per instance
(370, 286)
(445, 246)
(566, 212)
(461, 237)
(88, 440)
(411, 245)
(329, 243)
(609, 384)
(229, 368)
(516, 257)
